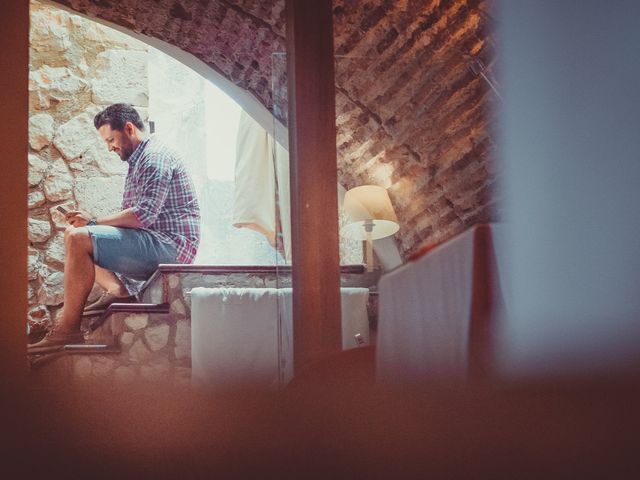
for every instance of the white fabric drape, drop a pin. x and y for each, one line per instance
(262, 171)
(424, 314)
(244, 336)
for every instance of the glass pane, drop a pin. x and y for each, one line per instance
(355, 323)
(279, 145)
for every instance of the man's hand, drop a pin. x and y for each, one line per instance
(125, 219)
(78, 218)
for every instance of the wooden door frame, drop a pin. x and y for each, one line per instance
(313, 180)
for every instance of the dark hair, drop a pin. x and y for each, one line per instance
(117, 115)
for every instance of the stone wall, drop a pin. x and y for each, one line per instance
(152, 347)
(76, 68)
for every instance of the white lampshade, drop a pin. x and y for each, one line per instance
(369, 203)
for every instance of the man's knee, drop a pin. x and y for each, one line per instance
(77, 239)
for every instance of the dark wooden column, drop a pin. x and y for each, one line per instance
(314, 202)
(14, 59)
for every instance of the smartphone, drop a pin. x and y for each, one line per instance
(62, 210)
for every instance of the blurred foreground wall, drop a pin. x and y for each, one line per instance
(570, 141)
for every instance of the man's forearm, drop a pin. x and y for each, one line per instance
(125, 218)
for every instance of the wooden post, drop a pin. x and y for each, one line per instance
(314, 198)
(14, 58)
(486, 302)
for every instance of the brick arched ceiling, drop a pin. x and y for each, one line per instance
(412, 103)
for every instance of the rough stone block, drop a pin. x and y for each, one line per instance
(55, 250)
(40, 130)
(183, 340)
(58, 183)
(157, 337)
(137, 321)
(33, 263)
(39, 230)
(57, 84)
(51, 292)
(177, 307)
(37, 167)
(76, 136)
(174, 281)
(48, 33)
(138, 353)
(122, 77)
(126, 339)
(36, 199)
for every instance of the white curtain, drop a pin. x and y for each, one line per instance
(244, 336)
(261, 199)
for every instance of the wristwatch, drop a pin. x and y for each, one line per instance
(92, 222)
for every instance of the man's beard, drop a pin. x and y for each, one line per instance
(126, 152)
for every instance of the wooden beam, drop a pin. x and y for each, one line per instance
(314, 200)
(14, 59)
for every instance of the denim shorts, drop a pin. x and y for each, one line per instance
(131, 252)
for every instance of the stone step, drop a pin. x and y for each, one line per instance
(95, 322)
(41, 359)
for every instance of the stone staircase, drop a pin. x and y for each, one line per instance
(151, 340)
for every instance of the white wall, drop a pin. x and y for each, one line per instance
(571, 143)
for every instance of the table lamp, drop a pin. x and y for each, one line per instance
(372, 217)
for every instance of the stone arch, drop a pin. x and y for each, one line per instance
(414, 92)
(252, 94)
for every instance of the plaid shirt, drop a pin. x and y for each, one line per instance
(161, 193)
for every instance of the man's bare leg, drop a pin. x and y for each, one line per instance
(79, 275)
(110, 282)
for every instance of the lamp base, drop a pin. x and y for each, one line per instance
(369, 252)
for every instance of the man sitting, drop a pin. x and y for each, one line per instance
(159, 223)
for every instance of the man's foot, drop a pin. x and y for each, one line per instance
(55, 341)
(103, 302)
